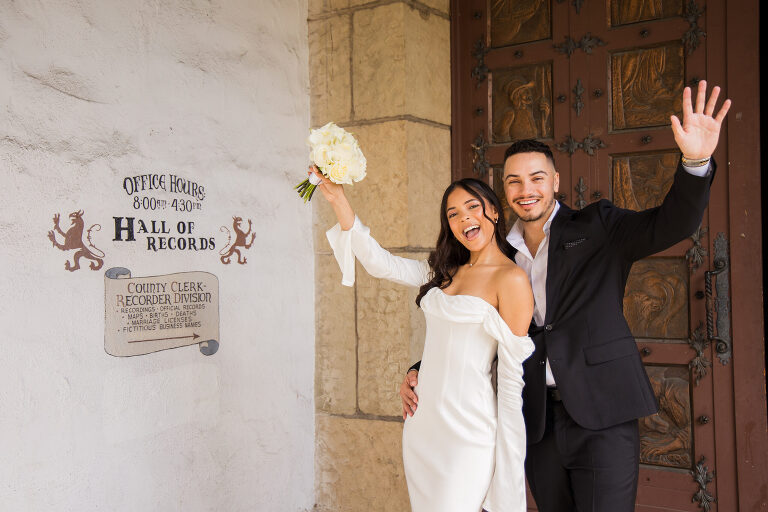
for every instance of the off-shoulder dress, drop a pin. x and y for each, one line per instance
(464, 448)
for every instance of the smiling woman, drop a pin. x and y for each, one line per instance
(470, 221)
(464, 449)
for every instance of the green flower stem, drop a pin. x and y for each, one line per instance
(305, 190)
(310, 190)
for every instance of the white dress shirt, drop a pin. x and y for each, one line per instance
(536, 266)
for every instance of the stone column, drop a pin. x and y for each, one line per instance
(380, 69)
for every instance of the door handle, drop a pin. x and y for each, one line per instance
(719, 302)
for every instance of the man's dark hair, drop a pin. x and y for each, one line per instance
(529, 146)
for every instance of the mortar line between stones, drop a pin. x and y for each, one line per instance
(413, 4)
(363, 416)
(402, 117)
(351, 63)
(407, 248)
(357, 361)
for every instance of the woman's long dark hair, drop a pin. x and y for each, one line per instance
(449, 253)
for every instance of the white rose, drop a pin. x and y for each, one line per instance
(338, 154)
(323, 135)
(338, 172)
(344, 151)
(356, 171)
(321, 155)
(337, 131)
(314, 138)
(348, 138)
(360, 167)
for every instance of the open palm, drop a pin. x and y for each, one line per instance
(697, 135)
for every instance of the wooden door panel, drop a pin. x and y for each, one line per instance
(646, 85)
(521, 103)
(656, 299)
(666, 438)
(625, 12)
(665, 496)
(519, 22)
(598, 80)
(641, 181)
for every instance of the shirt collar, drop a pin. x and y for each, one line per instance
(551, 217)
(515, 236)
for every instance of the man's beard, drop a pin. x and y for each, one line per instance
(533, 217)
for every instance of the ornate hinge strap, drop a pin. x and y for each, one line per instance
(700, 364)
(587, 43)
(696, 254)
(578, 90)
(480, 71)
(589, 145)
(479, 163)
(702, 476)
(691, 37)
(580, 188)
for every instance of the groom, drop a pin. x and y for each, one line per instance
(585, 385)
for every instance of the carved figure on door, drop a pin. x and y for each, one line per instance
(647, 86)
(665, 437)
(655, 302)
(528, 108)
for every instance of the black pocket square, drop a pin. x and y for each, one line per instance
(573, 243)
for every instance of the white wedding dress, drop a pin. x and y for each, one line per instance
(463, 449)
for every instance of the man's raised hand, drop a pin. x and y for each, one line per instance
(697, 135)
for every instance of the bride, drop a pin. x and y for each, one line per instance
(464, 449)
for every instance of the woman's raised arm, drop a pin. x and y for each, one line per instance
(334, 194)
(350, 239)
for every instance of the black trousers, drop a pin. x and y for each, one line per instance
(573, 469)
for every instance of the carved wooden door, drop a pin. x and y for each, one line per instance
(598, 80)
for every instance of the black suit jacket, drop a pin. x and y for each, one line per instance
(593, 356)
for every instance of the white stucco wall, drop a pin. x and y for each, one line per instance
(93, 91)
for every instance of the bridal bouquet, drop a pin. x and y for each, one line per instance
(338, 156)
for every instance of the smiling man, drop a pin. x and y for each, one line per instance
(585, 385)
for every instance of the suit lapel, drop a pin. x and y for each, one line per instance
(554, 265)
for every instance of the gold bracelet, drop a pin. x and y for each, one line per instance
(699, 162)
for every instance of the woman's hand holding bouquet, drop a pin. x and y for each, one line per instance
(336, 155)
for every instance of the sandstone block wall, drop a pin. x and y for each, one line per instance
(381, 69)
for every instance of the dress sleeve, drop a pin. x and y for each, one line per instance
(507, 490)
(380, 263)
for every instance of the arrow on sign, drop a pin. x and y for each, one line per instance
(194, 336)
